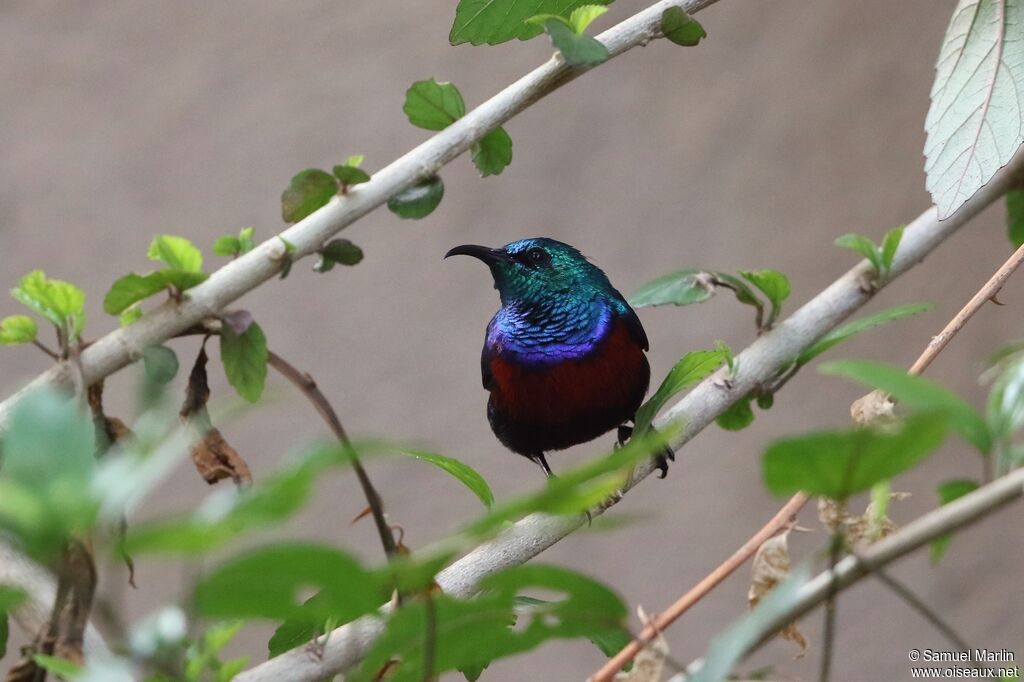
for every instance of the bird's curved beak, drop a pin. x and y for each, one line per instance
(484, 253)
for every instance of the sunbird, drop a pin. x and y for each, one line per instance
(564, 359)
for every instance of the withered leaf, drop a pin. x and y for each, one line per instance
(109, 430)
(770, 567)
(213, 456)
(649, 664)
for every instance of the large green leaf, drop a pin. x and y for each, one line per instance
(916, 393)
(493, 152)
(269, 582)
(844, 332)
(682, 287)
(244, 357)
(469, 634)
(576, 49)
(132, 288)
(840, 463)
(690, 369)
(681, 28)
(497, 21)
(418, 201)
(177, 253)
(975, 122)
(1015, 217)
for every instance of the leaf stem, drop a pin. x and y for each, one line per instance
(43, 347)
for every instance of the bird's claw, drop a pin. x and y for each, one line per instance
(661, 459)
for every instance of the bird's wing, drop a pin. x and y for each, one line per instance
(636, 330)
(485, 362)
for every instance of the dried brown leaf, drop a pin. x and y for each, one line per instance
(859, 529)
(109, 430)
(871, 408)
(770, 567)
(25, 670)
(649, 664)
(213, 456)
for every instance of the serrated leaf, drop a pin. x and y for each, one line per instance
(244, 357)
(864, 246)
(691, 368)
(1015, 216)
(132, 288)
(307, 192)
(681, 28)
(497, 21)
(462, 472)
(975, 124)
(739, 416)
(774, 285)
(267, 583)
(890, 243)
(60, 302)
(677, 288)
(916, 393)
(841, 334)
(947, 492)
(418, 201)
(177, 253)
(493, 152)
(840, 463)
(584, 16)
(433, 105)
(16, 329)
(576, 49)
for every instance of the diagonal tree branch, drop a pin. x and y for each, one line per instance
(345, 646)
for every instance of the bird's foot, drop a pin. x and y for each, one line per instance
(661, 460)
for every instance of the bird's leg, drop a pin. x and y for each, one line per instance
(661, 460)
(538, 457)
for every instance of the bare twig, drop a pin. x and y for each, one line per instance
(916, 603)
(46, 349)
(304, 382)
(986, 293)
(660, 622)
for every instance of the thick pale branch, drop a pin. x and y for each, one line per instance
(345, 646)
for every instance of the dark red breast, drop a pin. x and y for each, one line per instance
(538, 408)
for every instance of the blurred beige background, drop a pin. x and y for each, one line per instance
(793, 123)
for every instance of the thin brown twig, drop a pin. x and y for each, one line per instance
(984, 294)
(46, 349)
(661, 621)
(304, 382)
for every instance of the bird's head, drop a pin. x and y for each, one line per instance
(533, 269)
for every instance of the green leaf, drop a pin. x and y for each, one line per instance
(472, 633)
(160, 364)
(577, 50)
(865, 247)
(497, 21)
(1015, 217)
(584, 16)
(462, 472)
(16, 329)
(58, 666)
(10, 597)
(244, 357)
(268, 582)
(418, 201)
(974, 124)
(691, 368)
(738, 417)
(433, 105)
(681, 28)
(58, 301)
(890, 243)
(947, 492)
(840, 463)
(493, 152)
(682, 287)
(177, 253)
(350, 175)
(338, 251)
(917, 393)
(130, 315)
(774, 285)
(841, 334)
(729, 647)
(227, 246)
(1005, 409)
(355, 161)
(131, 289)
(307, 192)
(245, 239)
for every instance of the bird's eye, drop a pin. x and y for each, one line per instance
(537, 256)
